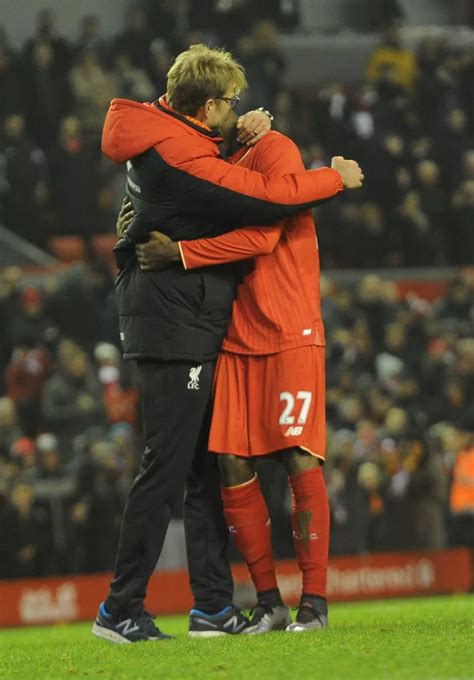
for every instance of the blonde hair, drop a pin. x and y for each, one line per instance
(202, 73)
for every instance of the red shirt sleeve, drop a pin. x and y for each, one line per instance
(275, 155)
(240, 244)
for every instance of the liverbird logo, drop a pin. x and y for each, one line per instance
(193, 383)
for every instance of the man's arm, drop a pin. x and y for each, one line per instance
(212, 187)
(240, 244)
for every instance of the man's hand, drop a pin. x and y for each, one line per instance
(252, 126)
(125, 217)
(350, 172)
(158, 253)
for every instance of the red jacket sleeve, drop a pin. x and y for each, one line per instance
(219, 188)
(275, 154)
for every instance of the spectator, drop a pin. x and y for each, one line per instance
(433, 199)
(264, 63)
(47, 93)
(426, 497)
(10, 430)
(160, 62)
(92, 90)
(135, 39)
(90, 39)
(132, 83)
(88, 284)
(72, 396)
(7, 532)
(451, 144)
(24, 378)
(10, 85)
(24, 184)
(47, 32)
(30, 535)
(392, 55)
(23, 454)
(50, 465)
(120, 399)
(410, 228)
(460, 237)
(73, 164)
(29, 324)
(462, 493)
(96, 514)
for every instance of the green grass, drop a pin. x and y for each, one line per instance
(419, 638)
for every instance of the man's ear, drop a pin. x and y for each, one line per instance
(208, 106)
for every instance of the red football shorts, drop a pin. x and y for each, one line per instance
(263, 404)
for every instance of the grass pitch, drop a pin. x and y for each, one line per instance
(429, 638)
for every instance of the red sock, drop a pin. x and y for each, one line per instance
(310, 519)
(246, 514)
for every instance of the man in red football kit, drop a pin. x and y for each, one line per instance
(270, 383)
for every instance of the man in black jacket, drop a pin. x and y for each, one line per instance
(173, 322)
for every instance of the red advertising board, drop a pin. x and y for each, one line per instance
(53, 600)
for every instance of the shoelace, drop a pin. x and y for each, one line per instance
(306, 614)
(256, 614)
(146, 621)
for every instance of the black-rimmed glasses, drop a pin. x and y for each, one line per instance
(233, 101)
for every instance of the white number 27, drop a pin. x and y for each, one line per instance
(287, 417)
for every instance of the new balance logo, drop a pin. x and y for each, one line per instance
(193, 383)
(233, 626)
(293, 431)
(127, 627)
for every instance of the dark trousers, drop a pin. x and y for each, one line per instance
(176, 412)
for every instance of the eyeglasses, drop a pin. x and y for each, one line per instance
(233, 101)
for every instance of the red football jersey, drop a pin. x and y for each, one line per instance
(278, 302)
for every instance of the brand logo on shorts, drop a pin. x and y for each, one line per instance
(293, 431)
(193, 383)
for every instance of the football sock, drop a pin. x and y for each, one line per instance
(319, 604)
(246, 514)
(270, 599)
(310, 519)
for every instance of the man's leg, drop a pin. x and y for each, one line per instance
(248, 520)
(247, 517)
(310, 519)
(206, 531)
(173, 410)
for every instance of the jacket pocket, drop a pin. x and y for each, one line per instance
(184, 289)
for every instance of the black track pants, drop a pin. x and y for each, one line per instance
(176, 411)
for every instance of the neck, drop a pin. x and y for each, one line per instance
(231, 143)
(198, 118)
(229, 133)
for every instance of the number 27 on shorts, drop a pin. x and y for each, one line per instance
(288, 415)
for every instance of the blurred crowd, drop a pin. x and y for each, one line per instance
(400, 392)
(409, 121)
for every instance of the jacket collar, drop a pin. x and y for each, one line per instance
(203, 129)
